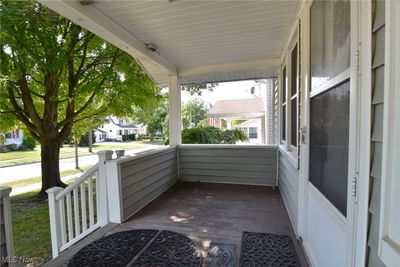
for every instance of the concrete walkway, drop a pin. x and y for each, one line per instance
(15, 173)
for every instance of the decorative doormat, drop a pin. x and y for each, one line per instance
(221, 255)
(139, 248)
(259, 249)
(113, 250)
(170, 249)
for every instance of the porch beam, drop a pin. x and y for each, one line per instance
(231, 67)
(175, 127)
(89, 17)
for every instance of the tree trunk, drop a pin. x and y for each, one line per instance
(90, 140)
(76, 156)
(50, 154)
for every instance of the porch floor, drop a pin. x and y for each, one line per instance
(207, 212)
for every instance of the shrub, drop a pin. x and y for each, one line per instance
(85, 140)
(12, 147)
(128, 137)
(212, 135)
(29, 143)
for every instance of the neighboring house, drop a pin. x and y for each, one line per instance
(14, 137)
(252, 128)
(115, 128)
(251, 110)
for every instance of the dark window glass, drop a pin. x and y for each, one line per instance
(330, 40)
(293, 77)
(284, 85)
(329, 144)
(284, 122)
(293, 125)
(253, 133)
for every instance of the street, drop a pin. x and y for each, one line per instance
(19, 172)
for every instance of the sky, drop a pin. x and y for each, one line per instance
(226, 91)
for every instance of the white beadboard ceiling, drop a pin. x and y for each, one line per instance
(204, 41)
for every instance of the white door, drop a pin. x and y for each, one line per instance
(329, 151)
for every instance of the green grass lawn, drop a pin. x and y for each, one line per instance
(31, 227)
(23, 157)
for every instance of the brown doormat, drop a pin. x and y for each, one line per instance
(259, 249)
(221, 255)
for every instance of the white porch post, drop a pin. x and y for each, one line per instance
(55, 217)
(175, 111)
(7, 226)
(102, 199)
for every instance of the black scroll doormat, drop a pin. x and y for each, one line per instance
(259, 249)
(221, 255)
(170, 249)
(139, 248)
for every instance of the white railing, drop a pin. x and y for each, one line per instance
(74, 210)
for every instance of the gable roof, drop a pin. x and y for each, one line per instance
(237, 107)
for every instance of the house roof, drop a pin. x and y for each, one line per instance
(239, 107)
(199, 41)
(101, 131)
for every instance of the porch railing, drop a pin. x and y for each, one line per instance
(78, 210)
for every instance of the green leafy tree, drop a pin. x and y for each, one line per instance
(193, 113)
(54, 74)
(198, 88)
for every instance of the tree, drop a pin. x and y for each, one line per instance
(193, 113)
(156, 120)
(55, 74)
(198, 88)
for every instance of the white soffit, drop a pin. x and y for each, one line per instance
(202, 41)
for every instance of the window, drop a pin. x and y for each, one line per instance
(284, 106)
(253, 132)
(329, 144)
(290, 101)
(119, 132)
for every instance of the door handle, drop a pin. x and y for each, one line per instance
(303, 134)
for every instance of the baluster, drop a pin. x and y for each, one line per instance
(83, 207)
(69, 217)
(76, 212)
(90, 196)
(62, 221)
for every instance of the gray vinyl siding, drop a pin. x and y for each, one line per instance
(145, 178)
(289, 187)
(378, 71)
(254, 165)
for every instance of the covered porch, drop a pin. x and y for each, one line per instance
(213, 193)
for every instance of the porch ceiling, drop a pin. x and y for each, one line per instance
(201, 41)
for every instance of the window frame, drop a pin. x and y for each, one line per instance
(283, 104)
(286, 145)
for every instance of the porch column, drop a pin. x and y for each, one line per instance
(175, 111)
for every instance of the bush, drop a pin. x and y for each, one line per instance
(29, 143)
(12, 147)
(85, 140)
(212, 135)
(128, 137)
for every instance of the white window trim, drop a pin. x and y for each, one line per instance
(285, 146)
(389, 250)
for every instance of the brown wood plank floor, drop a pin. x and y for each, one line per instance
(207, 212)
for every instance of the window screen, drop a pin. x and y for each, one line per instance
(329, 144)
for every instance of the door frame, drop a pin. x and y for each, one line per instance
(359, 130)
